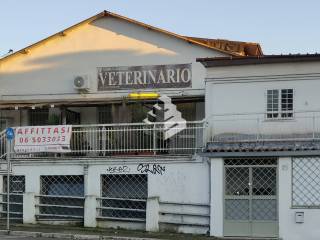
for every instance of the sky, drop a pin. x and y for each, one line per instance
(280, 26)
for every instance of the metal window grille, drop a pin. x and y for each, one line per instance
(39, 117)
(62, 197)
(306, 182)
(279, 103)
(124, 196)
(17, 188)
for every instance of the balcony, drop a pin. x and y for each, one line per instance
(253, 132)
(103, 140)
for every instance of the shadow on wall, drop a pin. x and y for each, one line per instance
(61, 69)
(55, 73)
(138, 33)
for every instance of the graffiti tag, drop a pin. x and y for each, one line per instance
(151, 168)
(118, 169)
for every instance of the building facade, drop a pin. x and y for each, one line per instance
(264, 145)
(243, 161)
(121, 171)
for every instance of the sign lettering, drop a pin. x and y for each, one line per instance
(156, 76)
(32, 139)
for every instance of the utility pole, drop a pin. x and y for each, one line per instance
(10, 136)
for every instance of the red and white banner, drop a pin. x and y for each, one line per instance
(32, 139)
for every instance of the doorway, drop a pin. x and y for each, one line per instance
(250, 197)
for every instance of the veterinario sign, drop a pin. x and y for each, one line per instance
(140, 77)
(32, 139)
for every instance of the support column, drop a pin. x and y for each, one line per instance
(217, 195)
(288, 229)
(152, 214)
(29, 208)
(63, 116)
(90, 211)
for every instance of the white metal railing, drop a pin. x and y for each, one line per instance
(58, 207)
(121, 209)
(128, 138)
(256, 127)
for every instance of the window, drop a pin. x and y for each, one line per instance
(124, 196)
(62, 197)
(3, 124)
(17, 188)
(279, 104)
(306, 182)
(39, 117)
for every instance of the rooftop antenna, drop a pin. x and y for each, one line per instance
(8, 53)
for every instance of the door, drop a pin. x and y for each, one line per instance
(250, 191)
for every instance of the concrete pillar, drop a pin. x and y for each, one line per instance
(24, 117)
(63, 116)
(29, 208)
(216, 208)
(152, 214)
(287, 227)
(85, 179)
(90, 211)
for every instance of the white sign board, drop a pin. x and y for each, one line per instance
(32, 139)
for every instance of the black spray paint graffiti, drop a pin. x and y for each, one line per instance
(153, 168)
(118, 169)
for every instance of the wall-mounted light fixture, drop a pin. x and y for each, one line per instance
(144, 95)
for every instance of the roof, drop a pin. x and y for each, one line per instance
(263, 146)
(263, 59)
(243, 48)
(231, 48)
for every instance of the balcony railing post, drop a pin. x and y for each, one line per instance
(313, 126)
(103, 140)
(258, 129)
(154, 140)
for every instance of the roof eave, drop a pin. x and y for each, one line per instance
(107, 13)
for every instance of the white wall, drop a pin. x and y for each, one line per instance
(288, 229)
(176, 181)
(238, 94)
(180, 182)
(217, 197)
(49, 68)
(32, 173)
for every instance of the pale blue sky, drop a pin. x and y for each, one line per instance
(280, 26)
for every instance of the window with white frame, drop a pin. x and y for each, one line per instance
(279, 104)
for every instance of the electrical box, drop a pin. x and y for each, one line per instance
(299, 217)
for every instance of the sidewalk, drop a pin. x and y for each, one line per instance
(71, 232)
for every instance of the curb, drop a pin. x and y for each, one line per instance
(69, 236)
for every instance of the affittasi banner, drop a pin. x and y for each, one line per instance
(33, 139)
